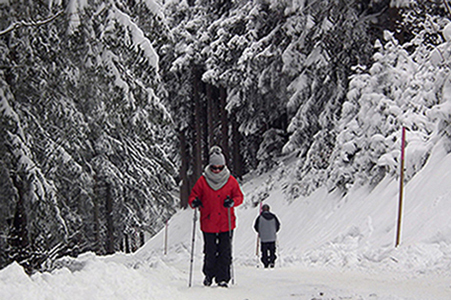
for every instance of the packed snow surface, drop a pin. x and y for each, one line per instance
(330, 247)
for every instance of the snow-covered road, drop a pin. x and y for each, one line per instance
(297, 282)
(122, 278)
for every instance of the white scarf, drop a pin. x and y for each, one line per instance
(216, 180)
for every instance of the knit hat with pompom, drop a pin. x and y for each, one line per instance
(216, 157)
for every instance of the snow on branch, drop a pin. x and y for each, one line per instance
(137, 35)
(20, 24)
(154, 7)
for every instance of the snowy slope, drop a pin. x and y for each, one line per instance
(356, 231)
(330, 247)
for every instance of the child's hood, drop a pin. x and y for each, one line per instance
(267, 215)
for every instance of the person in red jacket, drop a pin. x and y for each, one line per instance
(216, 193)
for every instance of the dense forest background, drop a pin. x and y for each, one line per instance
(108, 108)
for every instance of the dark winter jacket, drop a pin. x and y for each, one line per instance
(213, 214)
(267, 225)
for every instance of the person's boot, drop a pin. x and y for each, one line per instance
(207, 281)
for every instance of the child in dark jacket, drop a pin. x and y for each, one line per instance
(267, 225)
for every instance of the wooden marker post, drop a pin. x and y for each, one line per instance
(401, 188)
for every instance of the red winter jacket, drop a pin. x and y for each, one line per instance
(213, 215)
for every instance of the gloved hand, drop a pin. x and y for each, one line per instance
(228, 203)
(196, 203)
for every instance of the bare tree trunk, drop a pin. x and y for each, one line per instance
(142, 239)
(185, 184)
(210, 117)
(237, 166)
(205, 116)
(127, 243)
(19, 236)
(109, 220)
(97, 247)
(224, 124)
(197, 126)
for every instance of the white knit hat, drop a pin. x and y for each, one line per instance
(216, 157)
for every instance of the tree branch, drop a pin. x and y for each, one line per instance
(447, 6)
(20, 24)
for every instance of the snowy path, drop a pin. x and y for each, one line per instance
(123, 278)
(301, 283)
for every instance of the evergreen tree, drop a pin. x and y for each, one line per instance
(404, 87)
(85, 146)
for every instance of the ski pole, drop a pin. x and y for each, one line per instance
(230, 237)
(192, 248)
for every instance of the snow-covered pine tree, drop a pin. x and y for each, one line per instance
(77, 105)
(328, 38)
(129, 125)
(197, 101)
(245, 58)
(180, 70)
(403, 87)
(28, 62)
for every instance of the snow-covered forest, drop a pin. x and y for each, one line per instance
(107, 108)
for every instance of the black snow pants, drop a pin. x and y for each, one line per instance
(217, 256)
(268, 253)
